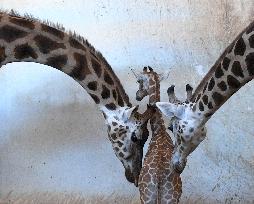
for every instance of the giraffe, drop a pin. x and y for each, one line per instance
(158, 183)
(26, 39)
(233, 69)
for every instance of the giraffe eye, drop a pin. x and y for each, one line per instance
(134, 137)
(171, 127)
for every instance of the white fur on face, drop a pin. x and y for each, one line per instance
(145, 81)
(187, 128)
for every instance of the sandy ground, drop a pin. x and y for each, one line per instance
(74, 198)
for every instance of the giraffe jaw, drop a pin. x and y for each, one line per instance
(140, 94)
(178, 163)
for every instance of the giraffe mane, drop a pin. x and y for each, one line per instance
(75, 36)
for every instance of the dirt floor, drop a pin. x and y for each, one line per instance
(62, 198)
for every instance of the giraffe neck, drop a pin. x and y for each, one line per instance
(156, 121)
(26, 40)
(233, 69)
(157, 182)
(154, 89)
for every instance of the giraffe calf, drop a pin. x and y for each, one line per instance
(158, 182)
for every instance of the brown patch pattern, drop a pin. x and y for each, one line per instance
(24, 51)
(110, 106)
(108, 78)
(211, 84)
(201, 106)
(9, 33)
(219, 73)
(240, 47)
(46, 45)
(237, 69)
(120, 99)
(22, 22)
(210, 105)
(114, 94)
(92, 85)
(251, 41)
(81, 69)
(205, 99)
(95, 98)
(96, 67)
(57, 62)
(222, 85)
(2, 54)
(105, 92)
(52, 31)
(225, 63)
(76, 44)
(218, 98)
(250, 63)
(233, 82)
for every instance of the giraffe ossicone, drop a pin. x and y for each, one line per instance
(26, 39)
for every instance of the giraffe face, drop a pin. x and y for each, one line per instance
(127, 131)
(188, 131)
(143, 80)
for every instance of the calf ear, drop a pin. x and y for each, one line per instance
(129, 112)
(163, 76)
(171, 110)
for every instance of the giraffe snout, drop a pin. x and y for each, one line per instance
(178, 168)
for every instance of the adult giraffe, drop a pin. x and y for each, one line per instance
(233, 69)
(24, 39)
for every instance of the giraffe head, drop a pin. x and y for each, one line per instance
(187, 126)
(127, 131)
(148, 80)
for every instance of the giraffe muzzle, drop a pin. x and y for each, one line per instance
(129, 176)
(178, 168)
(139, 98)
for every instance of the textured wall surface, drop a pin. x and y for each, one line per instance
(52, 136)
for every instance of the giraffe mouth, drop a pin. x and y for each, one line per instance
(131, 177)
(178, 167)
(139, 98)
(136, 181)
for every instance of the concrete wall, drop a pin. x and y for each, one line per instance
(53, 138)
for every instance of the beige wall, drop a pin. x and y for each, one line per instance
(53, 138)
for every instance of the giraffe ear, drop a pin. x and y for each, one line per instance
(129, 112)
(171, 110)
(164, 76)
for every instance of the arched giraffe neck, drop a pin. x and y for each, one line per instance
(28, 40)
(233, 69)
